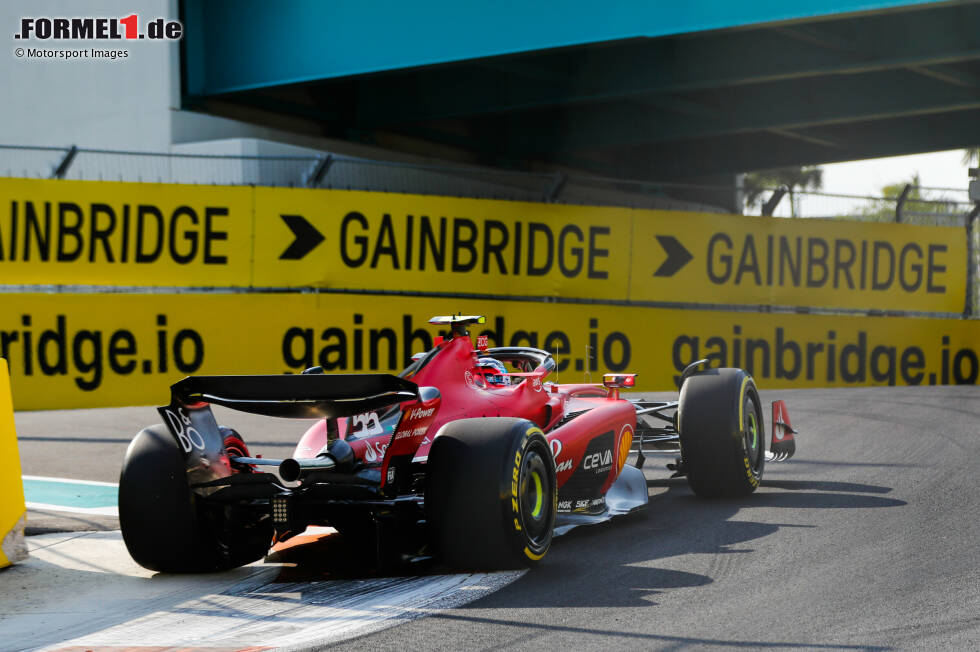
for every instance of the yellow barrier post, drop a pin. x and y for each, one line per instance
(12, 509)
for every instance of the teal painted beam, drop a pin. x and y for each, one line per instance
(234, 45)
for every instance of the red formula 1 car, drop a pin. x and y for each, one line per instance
(455, 457)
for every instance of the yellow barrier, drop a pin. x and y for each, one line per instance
(109, 233)
(386, 241)
(12, 509)
(114, 233)
(378, 241)
(72, 350)
(800, 262)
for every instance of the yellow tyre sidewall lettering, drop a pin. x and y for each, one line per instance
(533, 557)
(515, 497)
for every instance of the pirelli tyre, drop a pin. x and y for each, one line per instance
(491, 494)
(722, 433)
(165, 526)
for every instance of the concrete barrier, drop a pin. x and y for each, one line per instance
(12, 508)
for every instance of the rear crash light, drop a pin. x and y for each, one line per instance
(619, 380)
(285, 520)
(280, 511)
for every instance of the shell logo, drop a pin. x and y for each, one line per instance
(625, 443)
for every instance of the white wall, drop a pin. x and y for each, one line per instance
(124, 103)
(129, 104)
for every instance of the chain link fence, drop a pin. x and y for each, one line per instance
(921, 205)
(336, 171)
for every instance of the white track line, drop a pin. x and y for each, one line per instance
(95, 511)
(112, 510)
(84, 590)
(44, 478)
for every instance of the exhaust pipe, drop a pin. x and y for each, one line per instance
(337, 455)
(292, 469)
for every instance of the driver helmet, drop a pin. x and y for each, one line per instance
(494, 371)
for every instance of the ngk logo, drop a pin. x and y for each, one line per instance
(99, 29)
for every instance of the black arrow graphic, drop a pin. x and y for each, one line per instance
(307, 237)
(677, 256)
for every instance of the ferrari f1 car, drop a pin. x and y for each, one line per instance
(454, 457)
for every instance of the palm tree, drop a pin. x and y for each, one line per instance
(971, 155)
(883, 210)
(795, 179)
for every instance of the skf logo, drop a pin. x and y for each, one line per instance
(99, 29)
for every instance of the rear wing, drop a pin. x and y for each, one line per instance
(305, 396)
(311, 396)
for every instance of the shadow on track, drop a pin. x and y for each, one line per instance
(632, 639)
(616, 565)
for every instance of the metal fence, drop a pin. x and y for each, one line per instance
(336, 171)
(921, 205)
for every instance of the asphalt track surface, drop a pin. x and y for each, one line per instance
(866, 540)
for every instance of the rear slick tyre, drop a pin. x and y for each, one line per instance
(491, 494)
(722, 433)
(164, 526)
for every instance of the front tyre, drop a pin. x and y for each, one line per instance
(491, 493)
(722, 433)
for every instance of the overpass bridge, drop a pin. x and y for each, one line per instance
(696, 91)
